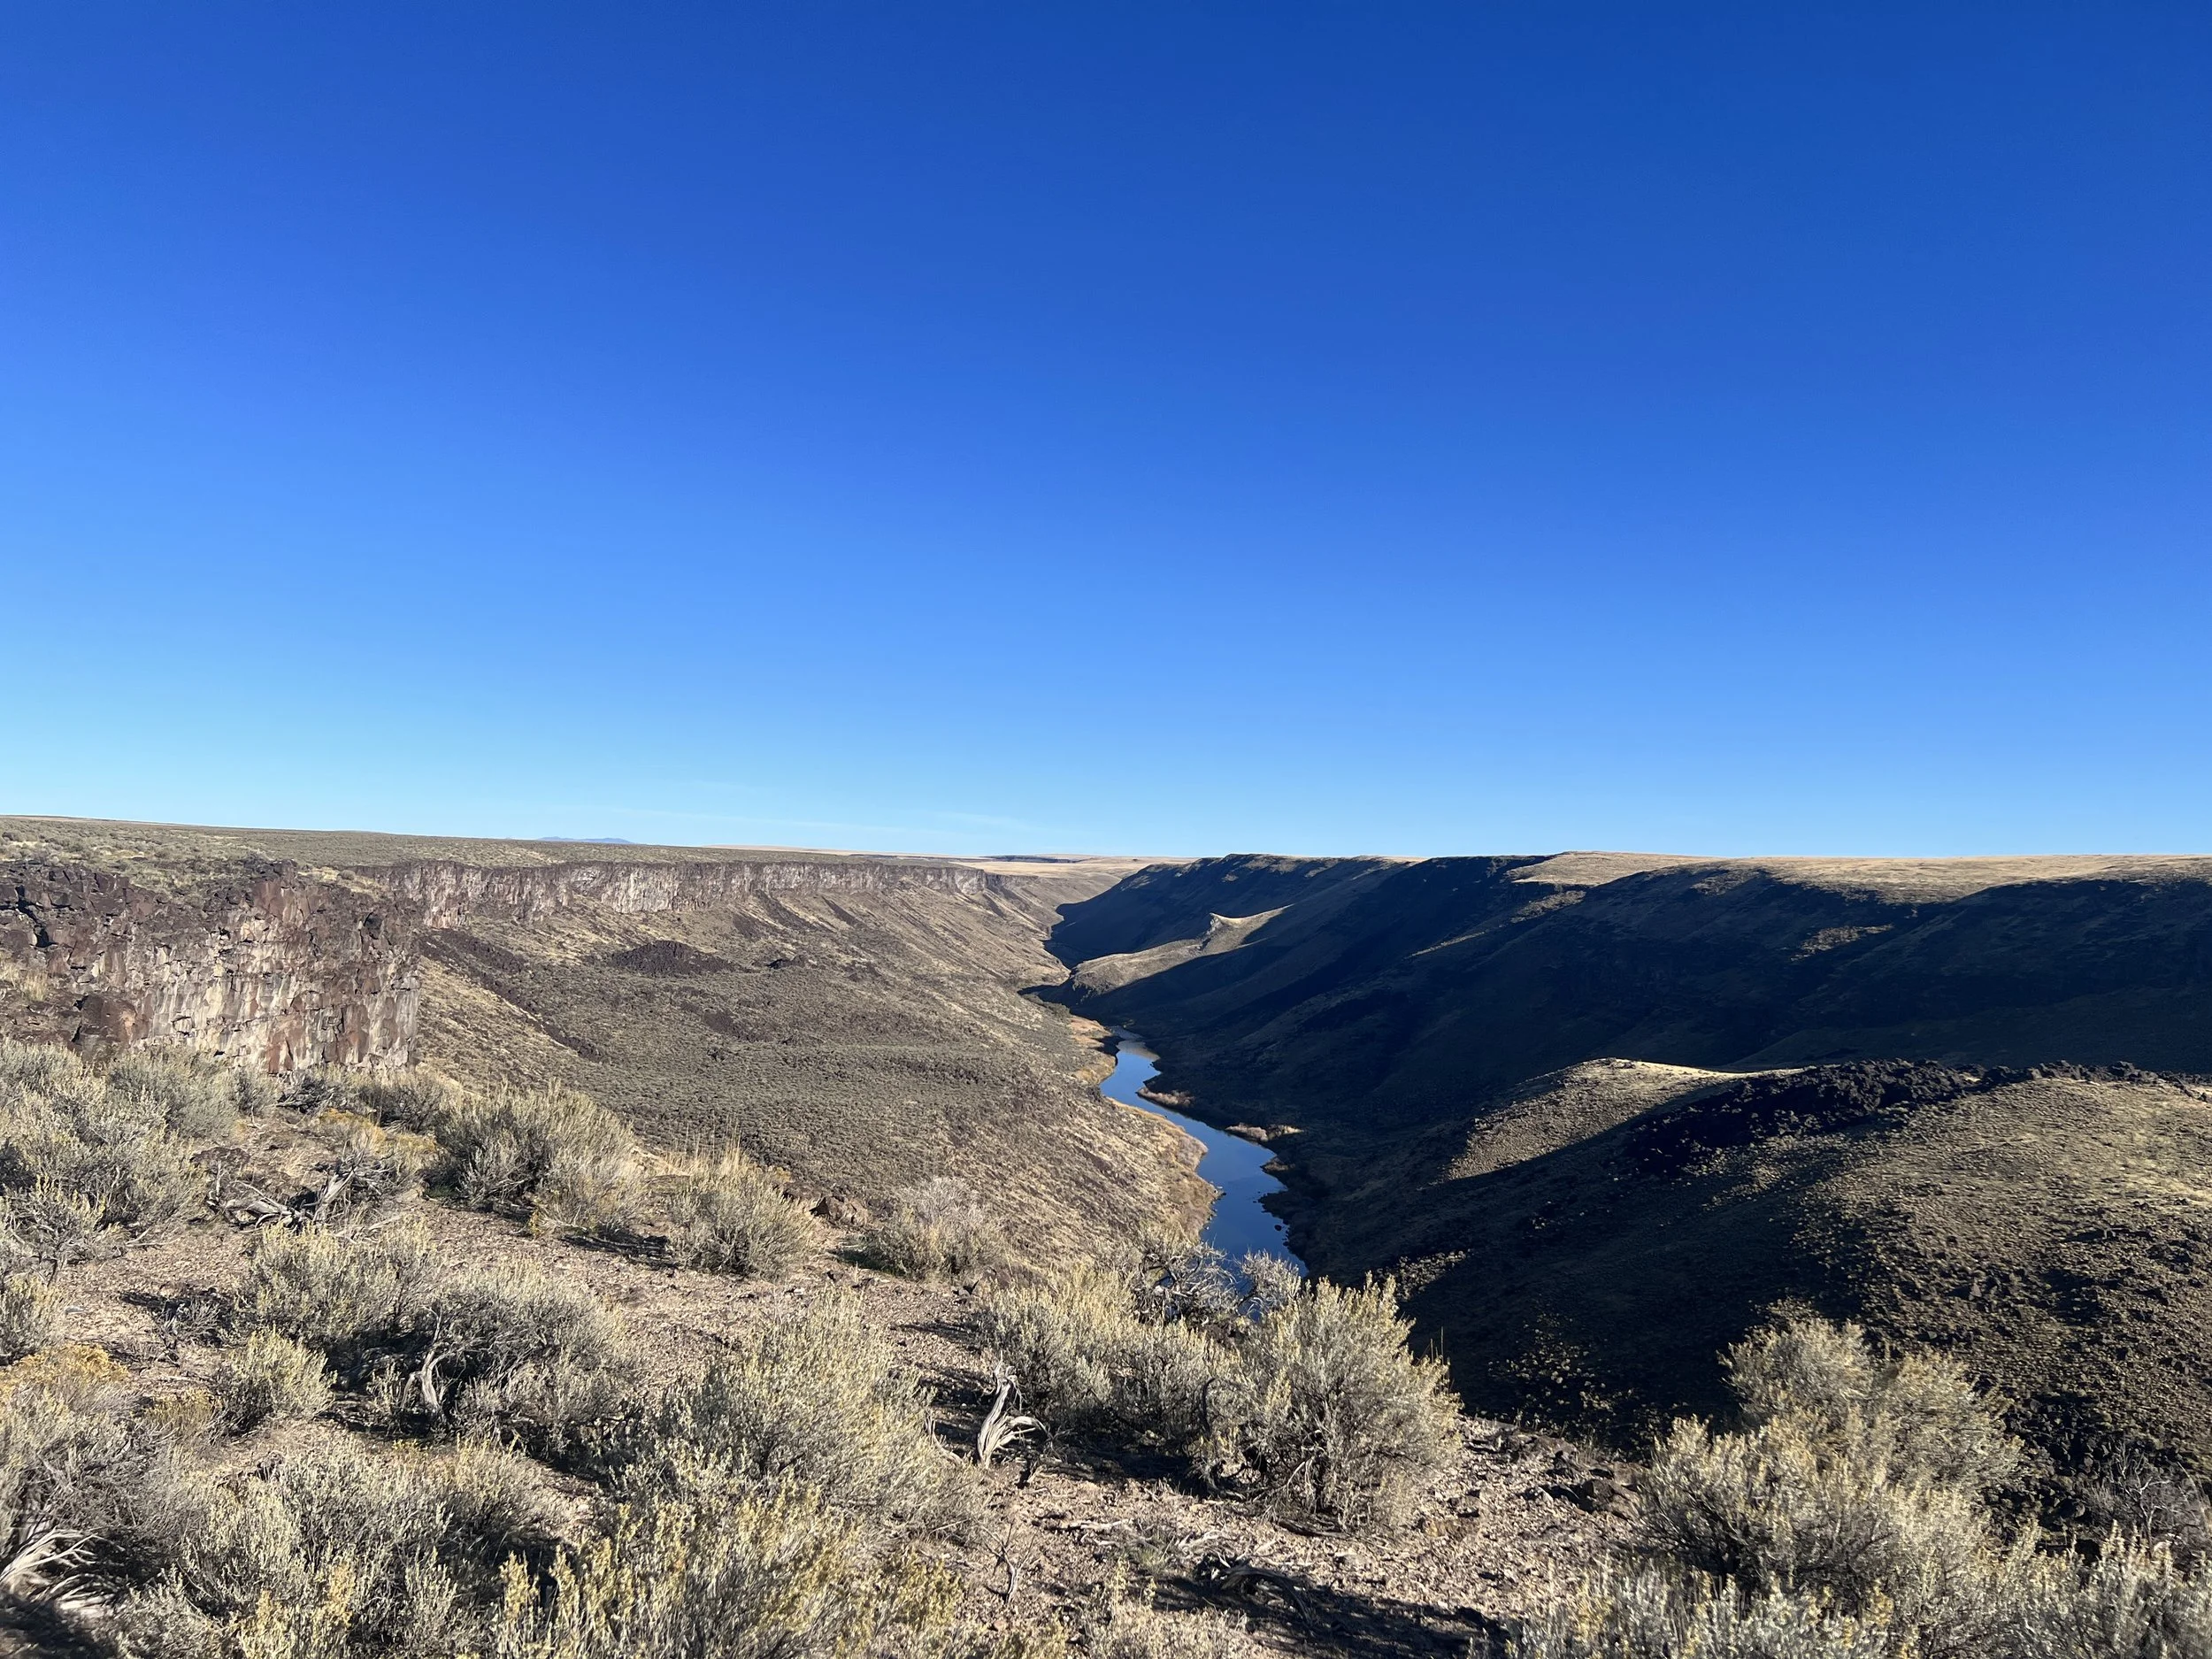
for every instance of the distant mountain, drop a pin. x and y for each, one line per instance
(591, 841)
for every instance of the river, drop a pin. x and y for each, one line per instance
(1233, 1165)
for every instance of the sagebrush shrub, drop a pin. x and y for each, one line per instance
(414, 1100)
(54, 1223)
(89, 1159)
(529, 1353)
(1917, 1415)
(935, 1230)
(193, 1098)
(269, 1379)
(753, 1574)
(29, 1312)
(76, 1490)
(501, 1150)
(333, 1552)
(371, 1169)
(1651, 1615)
(1088, 1363)
(335, 1293)
(82, 1376)
(731, 1215)
(497, 1504)
(1849, 1515)
(1768, 1511)
(2133, 1603)
(817, 1402)
(1123, 1624)
(1328, 1415)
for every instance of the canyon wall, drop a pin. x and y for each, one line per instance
(265, 965)
(285, 965)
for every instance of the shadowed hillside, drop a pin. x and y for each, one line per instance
(1519, 1083)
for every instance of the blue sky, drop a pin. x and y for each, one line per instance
(1151, 428)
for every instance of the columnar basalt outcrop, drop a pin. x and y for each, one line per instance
(265, 965)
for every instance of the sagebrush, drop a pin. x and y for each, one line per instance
(1849, 1513)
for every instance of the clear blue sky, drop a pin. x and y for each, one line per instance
(1161, 427)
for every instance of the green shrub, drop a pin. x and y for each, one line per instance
(270, 1377)
(731, 1215)
(817, 1401)
(774, 1574)
(1327, 1416)
(935, 1230)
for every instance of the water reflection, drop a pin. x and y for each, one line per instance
(1233, 1165)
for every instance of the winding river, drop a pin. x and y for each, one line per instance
(1233, 1165)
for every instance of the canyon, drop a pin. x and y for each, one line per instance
(1599, 1114)
(857, 1020)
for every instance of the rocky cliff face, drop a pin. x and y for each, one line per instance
(265, 964)
(287, 968)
